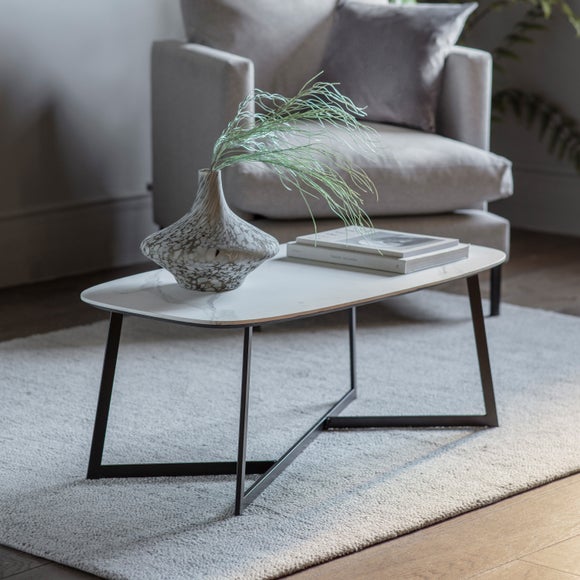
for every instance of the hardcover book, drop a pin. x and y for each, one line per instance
(377, 261)
(375, 241)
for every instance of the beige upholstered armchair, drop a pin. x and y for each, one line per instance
(429, 182)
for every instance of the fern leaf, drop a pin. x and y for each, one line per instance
(539, 9)
(502, 52)
(566, 143)
(534, 110)
(516, 38)
(527, 25)
(546, 6)
(515, 100)
(557, 131)
(572, 18)
(545, 123)
(533, 106)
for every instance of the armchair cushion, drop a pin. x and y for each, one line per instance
(390, 58)
(414, 172)
(285, 39)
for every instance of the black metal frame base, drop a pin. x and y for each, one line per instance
(269, 470)
(495, 290)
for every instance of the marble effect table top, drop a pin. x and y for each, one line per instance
(280, 289)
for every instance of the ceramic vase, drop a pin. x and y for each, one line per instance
(210, 249)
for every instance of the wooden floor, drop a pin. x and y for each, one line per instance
(534, 535)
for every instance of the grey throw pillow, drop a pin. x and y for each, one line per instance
(390, 58)
(285, 39)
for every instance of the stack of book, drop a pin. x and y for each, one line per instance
(385, 250)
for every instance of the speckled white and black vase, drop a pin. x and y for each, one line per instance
(210, 249)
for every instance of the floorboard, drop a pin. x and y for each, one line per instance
(563, 556)
(519, 570)
(472, 543)
(13, 562)
(53, 572)
(534, 535)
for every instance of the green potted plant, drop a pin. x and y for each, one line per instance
(213, 249)
(555, 126)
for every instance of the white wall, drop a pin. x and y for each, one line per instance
(74, 132)
(547, 191)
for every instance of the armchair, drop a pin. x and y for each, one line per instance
(436, 183)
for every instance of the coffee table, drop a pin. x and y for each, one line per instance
(279, 290)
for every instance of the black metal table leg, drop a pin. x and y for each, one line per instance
(243, 431)
(495, 290)
(352, 346)
(245, 498)
(487, 420)
(104, 403)
(482, 351)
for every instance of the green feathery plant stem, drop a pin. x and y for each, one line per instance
(563, 130)
(288, 134)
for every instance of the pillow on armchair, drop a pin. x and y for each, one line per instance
(387, 57)
(390, 58)
(285, 39)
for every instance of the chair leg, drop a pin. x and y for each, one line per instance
(495, 291)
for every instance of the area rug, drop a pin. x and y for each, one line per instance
(177, 397)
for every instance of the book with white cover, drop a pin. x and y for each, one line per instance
(376, 241)
(377, 261)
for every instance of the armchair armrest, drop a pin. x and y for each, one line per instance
(195, 92)
(465, 101)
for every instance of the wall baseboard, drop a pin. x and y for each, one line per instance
(73, 239)
(543, 201)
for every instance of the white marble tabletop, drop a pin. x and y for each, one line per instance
(280, 289)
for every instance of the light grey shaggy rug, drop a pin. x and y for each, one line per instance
(176, 399)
